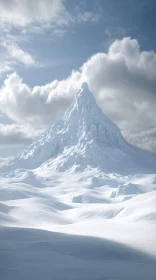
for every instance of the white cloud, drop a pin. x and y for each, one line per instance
(146, 139)
(14, 134)
(16, 54)
(4, 68)
(22, 13)
(123, 81)
(37, 15)
(12, 54)
(83, 17)
(5, 160)
(38, 106)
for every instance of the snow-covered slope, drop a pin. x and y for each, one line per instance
(84, 138)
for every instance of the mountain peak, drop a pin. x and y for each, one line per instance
(84, 90)
(83, 137)
(84, 86)
(85, 97)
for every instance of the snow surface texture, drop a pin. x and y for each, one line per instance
(86, 222)
(67, 225)
(84, 138)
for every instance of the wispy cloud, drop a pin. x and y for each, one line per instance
(12, 55)
(86, 16)
(22, 13)
(4, 68)
(20, 20)
(5, 160)
(144, 139)
(16, 54)
(36, 16)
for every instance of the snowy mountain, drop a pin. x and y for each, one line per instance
(93, 224)
(84, 138)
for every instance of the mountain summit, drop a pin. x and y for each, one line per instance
(84, 138)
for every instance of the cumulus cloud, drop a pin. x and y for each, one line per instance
(123, 81)
(38, 106)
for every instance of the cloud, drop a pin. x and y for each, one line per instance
(39, 106)
(145, 139)
(5, 161)
(16, 54)
(22, 13)
(35, 16)
(83, 17)
(123, 81)
(12, 54)
(14, 134)
(4, 68)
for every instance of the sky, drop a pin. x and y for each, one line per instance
(49, 48)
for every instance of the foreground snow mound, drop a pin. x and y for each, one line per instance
(38, 254)
(84, 138)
